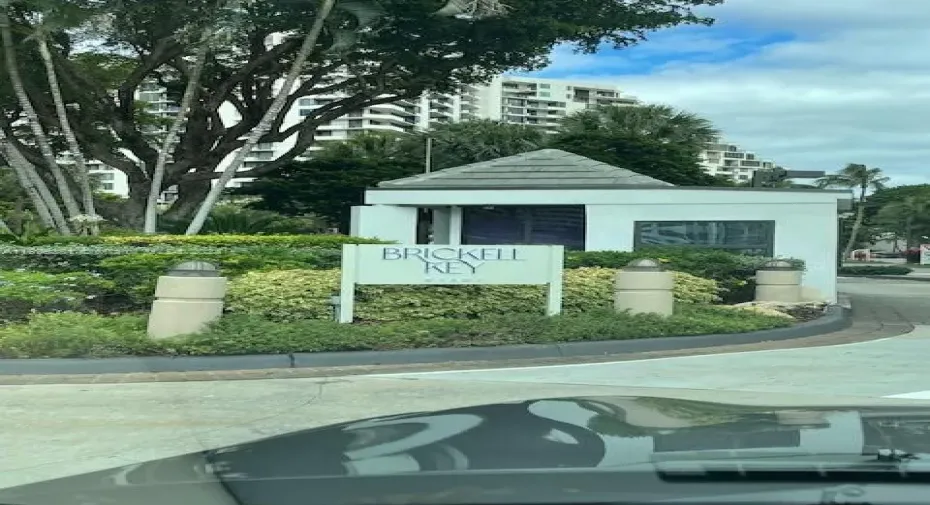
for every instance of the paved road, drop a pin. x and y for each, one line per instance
(879, 368)
(49, 431)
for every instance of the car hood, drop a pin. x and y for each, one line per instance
(554, 433)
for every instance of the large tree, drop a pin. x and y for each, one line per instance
(404, 49)
(861, 178)
(665, 161)
(650, 122)
(335, 178)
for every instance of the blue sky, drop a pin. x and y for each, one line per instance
(722, 43)
(813, 85)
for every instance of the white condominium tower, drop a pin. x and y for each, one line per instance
(542, 102)
(730, 160)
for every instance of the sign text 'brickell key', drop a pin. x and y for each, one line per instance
(449, 265)
(451, 260)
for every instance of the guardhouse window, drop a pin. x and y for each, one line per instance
(525, 225)
(755, 238)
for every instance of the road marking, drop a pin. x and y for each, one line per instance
(917, 395)
(670, 358)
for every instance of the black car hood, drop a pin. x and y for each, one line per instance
(559, 433)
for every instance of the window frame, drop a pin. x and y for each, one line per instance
(768, 246)
(526, 218)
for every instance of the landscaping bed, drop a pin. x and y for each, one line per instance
(870, 270)
(87, 297)
(80, 335)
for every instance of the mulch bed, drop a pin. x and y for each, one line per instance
(804, 313)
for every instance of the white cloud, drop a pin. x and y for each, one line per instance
(854, 85)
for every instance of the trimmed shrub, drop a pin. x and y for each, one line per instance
(331, 241)
(72, 335)
(734, 273)
(875, 270)
(304, 294)
(77, 335)
(22, 293)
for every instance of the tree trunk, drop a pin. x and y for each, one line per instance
(306, 49)
(857, 224)
(87, 193)
(6, 34)
(190, 93)
(30, 184)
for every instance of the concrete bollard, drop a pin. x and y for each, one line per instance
(186, 300)
(778, 281)
(644, 287)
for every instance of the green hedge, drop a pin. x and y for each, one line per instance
(75, 335)
(70, 258)
(875, 270)
(329, 240)
(290, 295)
(22, 293)
(734, 273)
(135, 263)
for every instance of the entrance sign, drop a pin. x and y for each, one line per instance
(925, 254)
(450, 265)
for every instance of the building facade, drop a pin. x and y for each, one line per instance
(731, 161)
(529, 101)
(586, 205)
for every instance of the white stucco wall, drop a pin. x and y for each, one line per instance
(805, 221)
(806, 231)
(385, 222)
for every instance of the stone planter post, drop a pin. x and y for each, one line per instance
(778, 281)
(644, 287)
(187, 299)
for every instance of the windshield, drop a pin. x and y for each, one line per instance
(438, 250)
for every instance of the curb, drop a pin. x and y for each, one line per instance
(891, 277)
(835, 318)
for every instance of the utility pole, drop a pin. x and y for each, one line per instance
(429, 155)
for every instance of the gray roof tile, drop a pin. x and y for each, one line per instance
(547, 168)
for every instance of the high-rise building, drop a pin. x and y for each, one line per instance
(528, 101)
(730, 160)
(542, 102)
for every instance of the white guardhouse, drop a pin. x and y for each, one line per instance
(552, 197)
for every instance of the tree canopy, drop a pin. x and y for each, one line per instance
(107, 52)
(336, 177)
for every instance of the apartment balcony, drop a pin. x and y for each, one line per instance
(386, 127)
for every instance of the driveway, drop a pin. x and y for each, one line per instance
(54, 430)
(878, 368)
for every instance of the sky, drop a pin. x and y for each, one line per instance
(810, 84)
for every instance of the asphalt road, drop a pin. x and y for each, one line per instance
(49, 431)
(878, 368)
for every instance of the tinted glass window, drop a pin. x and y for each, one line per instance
(537, 225)
(747, 237)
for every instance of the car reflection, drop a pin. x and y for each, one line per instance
(560, 433)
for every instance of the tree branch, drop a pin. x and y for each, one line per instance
(224, 88)
(305, 134)
(164, 51)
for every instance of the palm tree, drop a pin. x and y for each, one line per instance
(150, 225)
(367, 13)
(43, 201)
(656, 122)
(855, 176)
(214, 27)
(41, 139)
(904, 215)
(456, 144)
(368, 145)
(306, 49)
(87, 195)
